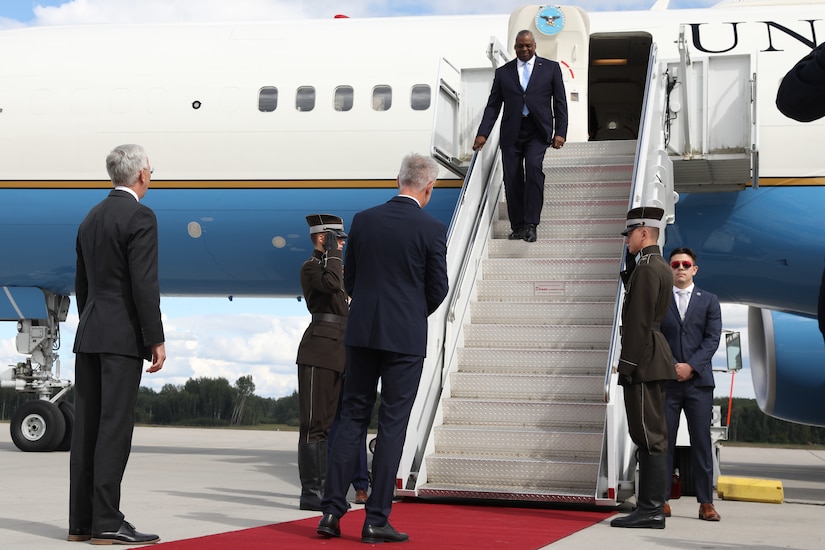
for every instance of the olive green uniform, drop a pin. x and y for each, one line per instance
(320, 368)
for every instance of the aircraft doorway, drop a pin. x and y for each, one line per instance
(616, 84)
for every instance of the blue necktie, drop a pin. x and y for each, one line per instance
(525, 80)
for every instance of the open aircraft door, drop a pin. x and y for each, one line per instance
(711, 123)
(462, 96)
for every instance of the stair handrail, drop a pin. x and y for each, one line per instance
(475, 203)
(652, 183)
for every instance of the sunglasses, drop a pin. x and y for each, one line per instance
(684, 263)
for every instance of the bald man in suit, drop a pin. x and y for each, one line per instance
(535, 117)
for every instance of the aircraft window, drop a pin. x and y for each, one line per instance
(268, 99)
(305, 98)
(343, 98)
(382, 98)
(420, 97)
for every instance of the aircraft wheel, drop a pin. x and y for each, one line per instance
(67, 408)
(37, 426)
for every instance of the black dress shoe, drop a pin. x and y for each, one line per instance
(517, 234)
(372, 534)
(329, 526)
(530, 234)
(79, 534)
(125, 535)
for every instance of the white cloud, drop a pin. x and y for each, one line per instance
(235, 340)
(73, 12)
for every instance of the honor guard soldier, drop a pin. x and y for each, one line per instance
(321, 352)
(646, 363)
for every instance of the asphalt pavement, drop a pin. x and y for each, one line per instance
(189, 482)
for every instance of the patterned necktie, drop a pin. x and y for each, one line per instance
(525, 79)
(682, 303)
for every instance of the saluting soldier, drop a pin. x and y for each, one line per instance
(321, 352)
(646, 362)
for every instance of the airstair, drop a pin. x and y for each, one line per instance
(525, 418)
(518, 399)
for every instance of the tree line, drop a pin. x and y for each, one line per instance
(199, 402)
(215, 402)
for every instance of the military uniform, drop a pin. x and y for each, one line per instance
(645, 355)
(320, 358)
(645, 364)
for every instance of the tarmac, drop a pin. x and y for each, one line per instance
(188, 482)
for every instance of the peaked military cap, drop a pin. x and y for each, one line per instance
(318, 223)
(644, 216)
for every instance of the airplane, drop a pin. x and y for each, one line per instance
(250, 126)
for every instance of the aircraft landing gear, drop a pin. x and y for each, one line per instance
(46, 423)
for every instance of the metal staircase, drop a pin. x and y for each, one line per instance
(517, 399)
(523, 415)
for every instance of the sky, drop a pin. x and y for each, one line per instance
(212, 337)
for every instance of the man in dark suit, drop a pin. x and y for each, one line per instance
(320, 353)
(118, 299)
(693, 327)
(645, 362)
(535, 116)
(396, 274)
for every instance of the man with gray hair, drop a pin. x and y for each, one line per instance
(395, 271)
(118, 300)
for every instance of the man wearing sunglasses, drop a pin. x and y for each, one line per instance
(693, 327)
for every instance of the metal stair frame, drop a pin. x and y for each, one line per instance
(476, 212)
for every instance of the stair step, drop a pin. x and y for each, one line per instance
(555, 210)
(543, 269)
(538, 336)
(548, 291)
(526, 361)
(594, 149)
(536, 443)
(543, 313)
(564, 190)
(558, 494)
(526, 473)
(592, 227)
(583, 209)
(602, 173)
(493, 412)
(529, 387)
(599, 247)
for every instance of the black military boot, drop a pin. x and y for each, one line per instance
(309, 470)
(649, 512)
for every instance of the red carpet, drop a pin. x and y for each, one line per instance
(430, 525)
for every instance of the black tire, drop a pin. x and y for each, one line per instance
(67, 408)
(37, 426)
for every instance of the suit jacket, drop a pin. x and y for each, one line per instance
(645, 353)
(396, 274)
(801, 95)
(323, 288)
(118, 293)
(696, 339)
(545, 98)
